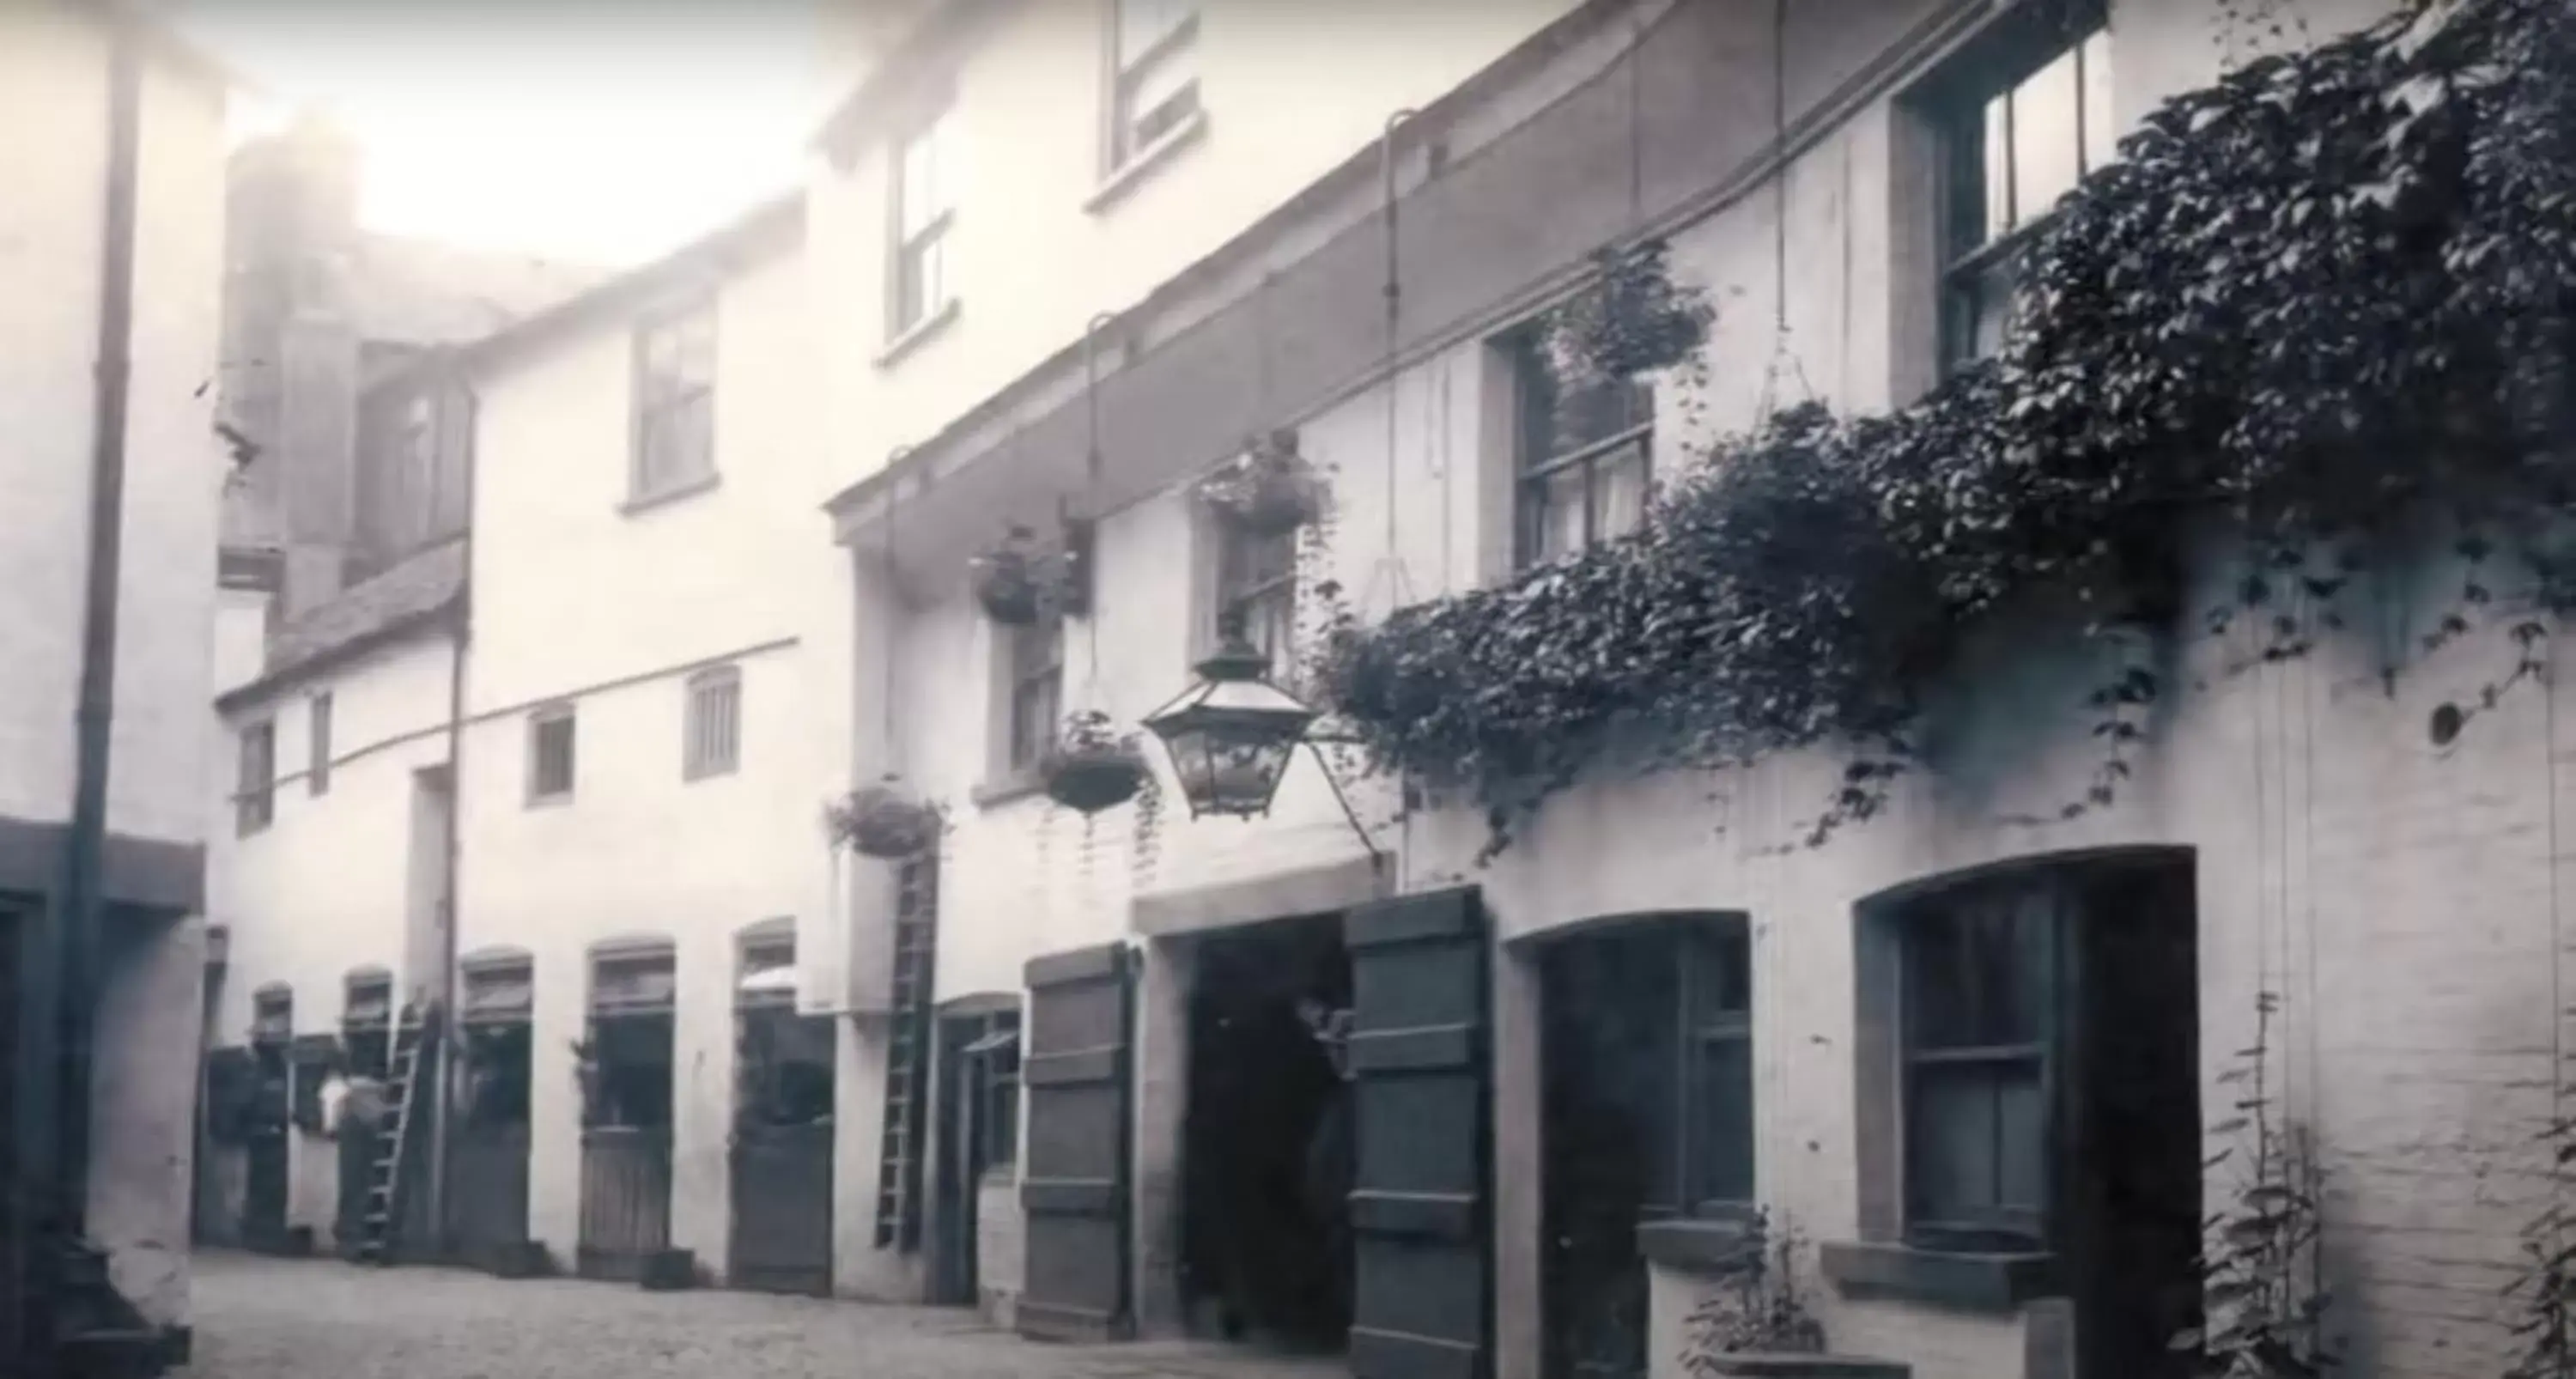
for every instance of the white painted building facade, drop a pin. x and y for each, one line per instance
(55, 75)
(2302, 797)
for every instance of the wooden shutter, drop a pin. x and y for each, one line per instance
(1073, 1186)
(1420, 1211)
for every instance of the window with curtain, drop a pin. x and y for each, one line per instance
(923, 172)
(2024, 122)
(1585, 454)
(675, 384)
(1256, 582)
(711, 742)
(1154, 76)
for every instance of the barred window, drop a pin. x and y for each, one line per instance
(712, 734)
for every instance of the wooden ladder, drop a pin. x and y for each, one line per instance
(916, 928)
(385, 1171)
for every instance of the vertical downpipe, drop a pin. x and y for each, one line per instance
(443, 994)
(81, 907)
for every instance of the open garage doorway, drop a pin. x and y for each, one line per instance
(1267, 1137)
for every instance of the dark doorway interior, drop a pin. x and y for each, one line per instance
(487, 1199)
(2133, 1170)
(1267, 1144)
(1647, 1107)
(979, 1118)
(782, 1151)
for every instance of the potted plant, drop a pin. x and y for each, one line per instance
(882, 821)
(1092, 767)
(1267, 489)
(1007, 582)
(1631, 320)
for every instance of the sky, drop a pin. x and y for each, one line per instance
(600, 131)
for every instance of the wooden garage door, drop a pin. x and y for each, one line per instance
(1419, 1202)
(1073, 1185)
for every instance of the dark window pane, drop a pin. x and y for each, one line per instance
(1722, 1110)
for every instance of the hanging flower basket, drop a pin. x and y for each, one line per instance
(1091, 768)
(881, 821)
(1634, 319)
(1007, 582)
(1266, 490)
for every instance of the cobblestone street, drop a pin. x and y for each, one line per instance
(259, 1318)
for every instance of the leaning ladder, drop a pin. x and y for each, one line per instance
(385, 1171)
(916, 930)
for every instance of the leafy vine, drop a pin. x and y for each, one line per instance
(2326, 304)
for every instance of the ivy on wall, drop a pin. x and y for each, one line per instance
(2320, 303)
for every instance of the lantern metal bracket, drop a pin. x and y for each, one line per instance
(1377, 858)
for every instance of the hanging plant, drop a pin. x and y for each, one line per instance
(882, 821)
(1632, 319)
(1266, 490)
(1093, 768)
(1008, 581)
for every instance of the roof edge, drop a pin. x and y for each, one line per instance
(447, 614)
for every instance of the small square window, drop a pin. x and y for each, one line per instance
(255, 787)
(711, 743)
(550, 754)
(1154, 74)
(317, 771)
(1585, 454)
(675, 383)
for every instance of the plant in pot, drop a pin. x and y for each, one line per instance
(1008, 581)
(1266, 490)
(1633, 319)
(883, 821)
(1094, 767)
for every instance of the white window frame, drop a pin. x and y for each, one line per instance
(920, 211)
(1539, 462)
(538, 721)
(1166, 55)
(1982, 223)
(671, 381)
(711, 723)
(1263, 593)
(1032, 678)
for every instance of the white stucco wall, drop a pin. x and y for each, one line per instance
(2398, 897)
(1289, 91)
(327, 887)
(579, 600)
(53, 76)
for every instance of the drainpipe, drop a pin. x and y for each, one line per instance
(451, 1027)
(79, 914)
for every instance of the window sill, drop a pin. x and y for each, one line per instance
(1969, 1281)
(1016, 784)
(646, 502)
(1699, 1246)
(550, 801)
(917, 334)
(1115, 187)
